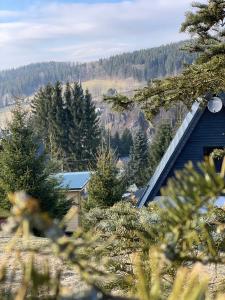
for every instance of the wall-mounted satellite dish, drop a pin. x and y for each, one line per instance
(215, 105)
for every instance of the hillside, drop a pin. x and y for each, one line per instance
(141, 66)
(109, 119)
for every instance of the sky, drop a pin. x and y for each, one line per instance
(84, 30)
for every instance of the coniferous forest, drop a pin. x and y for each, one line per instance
(142, 65)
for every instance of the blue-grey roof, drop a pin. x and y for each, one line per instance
(171, 154)
(73, 180)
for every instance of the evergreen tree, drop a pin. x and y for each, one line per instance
(68, 124)
(116, 143)
(75, 134)
(197, 81)
(105, 187)
(91, 130)
(24, 166)
(56, 122)
(207, 22)
(139, 161)
(159, 145)
(126, 142)
(41, 108)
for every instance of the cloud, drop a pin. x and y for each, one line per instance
(9, 13)
(87, 31)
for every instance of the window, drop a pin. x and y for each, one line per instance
(218, 161)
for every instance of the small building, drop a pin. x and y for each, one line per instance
(202, 131)
(75, 185)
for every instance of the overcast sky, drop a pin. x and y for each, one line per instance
(72, 30)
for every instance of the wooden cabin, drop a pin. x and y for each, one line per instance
(202, 131)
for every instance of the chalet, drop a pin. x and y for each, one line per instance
(202, 131)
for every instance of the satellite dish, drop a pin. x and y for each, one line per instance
(215, 105)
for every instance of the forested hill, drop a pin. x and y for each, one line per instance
(141, 65)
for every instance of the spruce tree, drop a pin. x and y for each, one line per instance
(116, 143)
(159, 145)
(105, 187)
(24, 166)
(75, 134)
(57, 121)
(126, 142)
(91, 131)
(41, 108)
(68, 124)
(67, 96)
(139, 160)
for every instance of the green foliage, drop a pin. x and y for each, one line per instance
(91, 133)
(184, 229)
(218, 154)
(68, 124)
(105, 187)
(142, 65)
(207, 23)
(198, 80)
(189, 200)
(188, 283)
(122, 144)
(124, 229)
(159, 145)
(148, 253)
(137, 171)
(126, 142)
(24, 166)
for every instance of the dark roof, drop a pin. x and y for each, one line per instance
(171, 154)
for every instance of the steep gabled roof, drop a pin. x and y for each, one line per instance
(171, 154)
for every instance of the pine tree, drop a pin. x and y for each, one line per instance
(159, 145)
(24, 166)
(139, 161)
(105, 187)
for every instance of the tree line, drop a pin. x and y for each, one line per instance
(142, 65)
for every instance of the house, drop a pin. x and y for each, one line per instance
(202, 131)
(75, 185)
